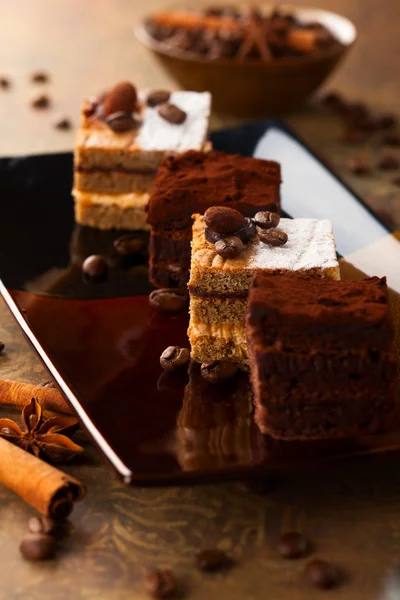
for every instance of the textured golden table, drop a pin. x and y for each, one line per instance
(351, 510)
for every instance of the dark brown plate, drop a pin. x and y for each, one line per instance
(102, 342)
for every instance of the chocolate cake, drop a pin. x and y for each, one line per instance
(191, 183)
(321, 355)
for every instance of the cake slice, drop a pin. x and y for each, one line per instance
(123, 137)
(321, 355)
(191, 183)
(219, 286)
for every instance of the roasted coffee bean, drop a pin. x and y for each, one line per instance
(122, 98)
(38, 546)
(229, 247)
(129, 244)
(223, 219)
(218, 371)
(160, 583)
(334, 101)
(175, 358)
(387, 121)
(157, 97)
(4, 83)
(120, 122)
(40, 101)
(2, 346)
(388, 162)
(323, 574)
(172, 113)
(39, 77)
(211, 559)
(63, 123)
(246, 234)
(391, 139)
(293, 544)
(95, 266)
(170, 300)
(358, 166)
(41, 525)
(273, 237)
(267, 219)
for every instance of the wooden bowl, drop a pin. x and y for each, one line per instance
(250, 88)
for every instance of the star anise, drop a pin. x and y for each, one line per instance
(42, 437)
(256, 31)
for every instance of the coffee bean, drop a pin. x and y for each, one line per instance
(95, 266)
(293, 544)
(4, 83)
(38, 546)
(218, 371)
(323, 574)
(39, 77)
(160, 583)
(175, 358)
(273, 237)
(246, 234)
(62, 123)
(229, 247)
(122, 98)
(40, 101)
(169, 300)
(157, 97)
(2, 346)
(388, 162)
(334, 101)
(387, 121)
(129, 244)
(223, 219)
(41, 525)
(172, 114)
(266, 219)
(120, 122)
(391, 139)
(211, 560)
(358, 166)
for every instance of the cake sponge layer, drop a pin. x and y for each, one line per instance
(111, 211)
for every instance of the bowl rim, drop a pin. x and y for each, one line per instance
(163, 49)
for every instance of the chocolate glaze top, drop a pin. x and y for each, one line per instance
(194, 181)
(302, 311)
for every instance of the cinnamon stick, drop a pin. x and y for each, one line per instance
(14, 393)
(47, 489)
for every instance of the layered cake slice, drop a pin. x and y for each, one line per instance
(322, 357)
(123, 137)
(219, 286)
(191, 183)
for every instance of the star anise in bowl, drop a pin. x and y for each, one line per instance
(45, 438)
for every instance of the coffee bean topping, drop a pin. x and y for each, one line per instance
(4, 83)
(293, 544)
(63, 123)
(217, 371)
(174, 358)
(246, 234)
(323, 574)
(170, 300)
(40, 101)
(95, 266)
(121, 98)
(358, 166)
(273, 237)
(157, 97)
(388, 162)
(391, 139)
(38, 546)
(211, 560)
(160, 584)
(41, 525)
(39, 77)
(223, 219)
(267, 219)
(172, 114)
(2, 346)
(129, 244)
(229, 247)
(120, 122)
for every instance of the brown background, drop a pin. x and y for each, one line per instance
(352, 510)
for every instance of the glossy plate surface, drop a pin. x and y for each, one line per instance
(102, 342)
